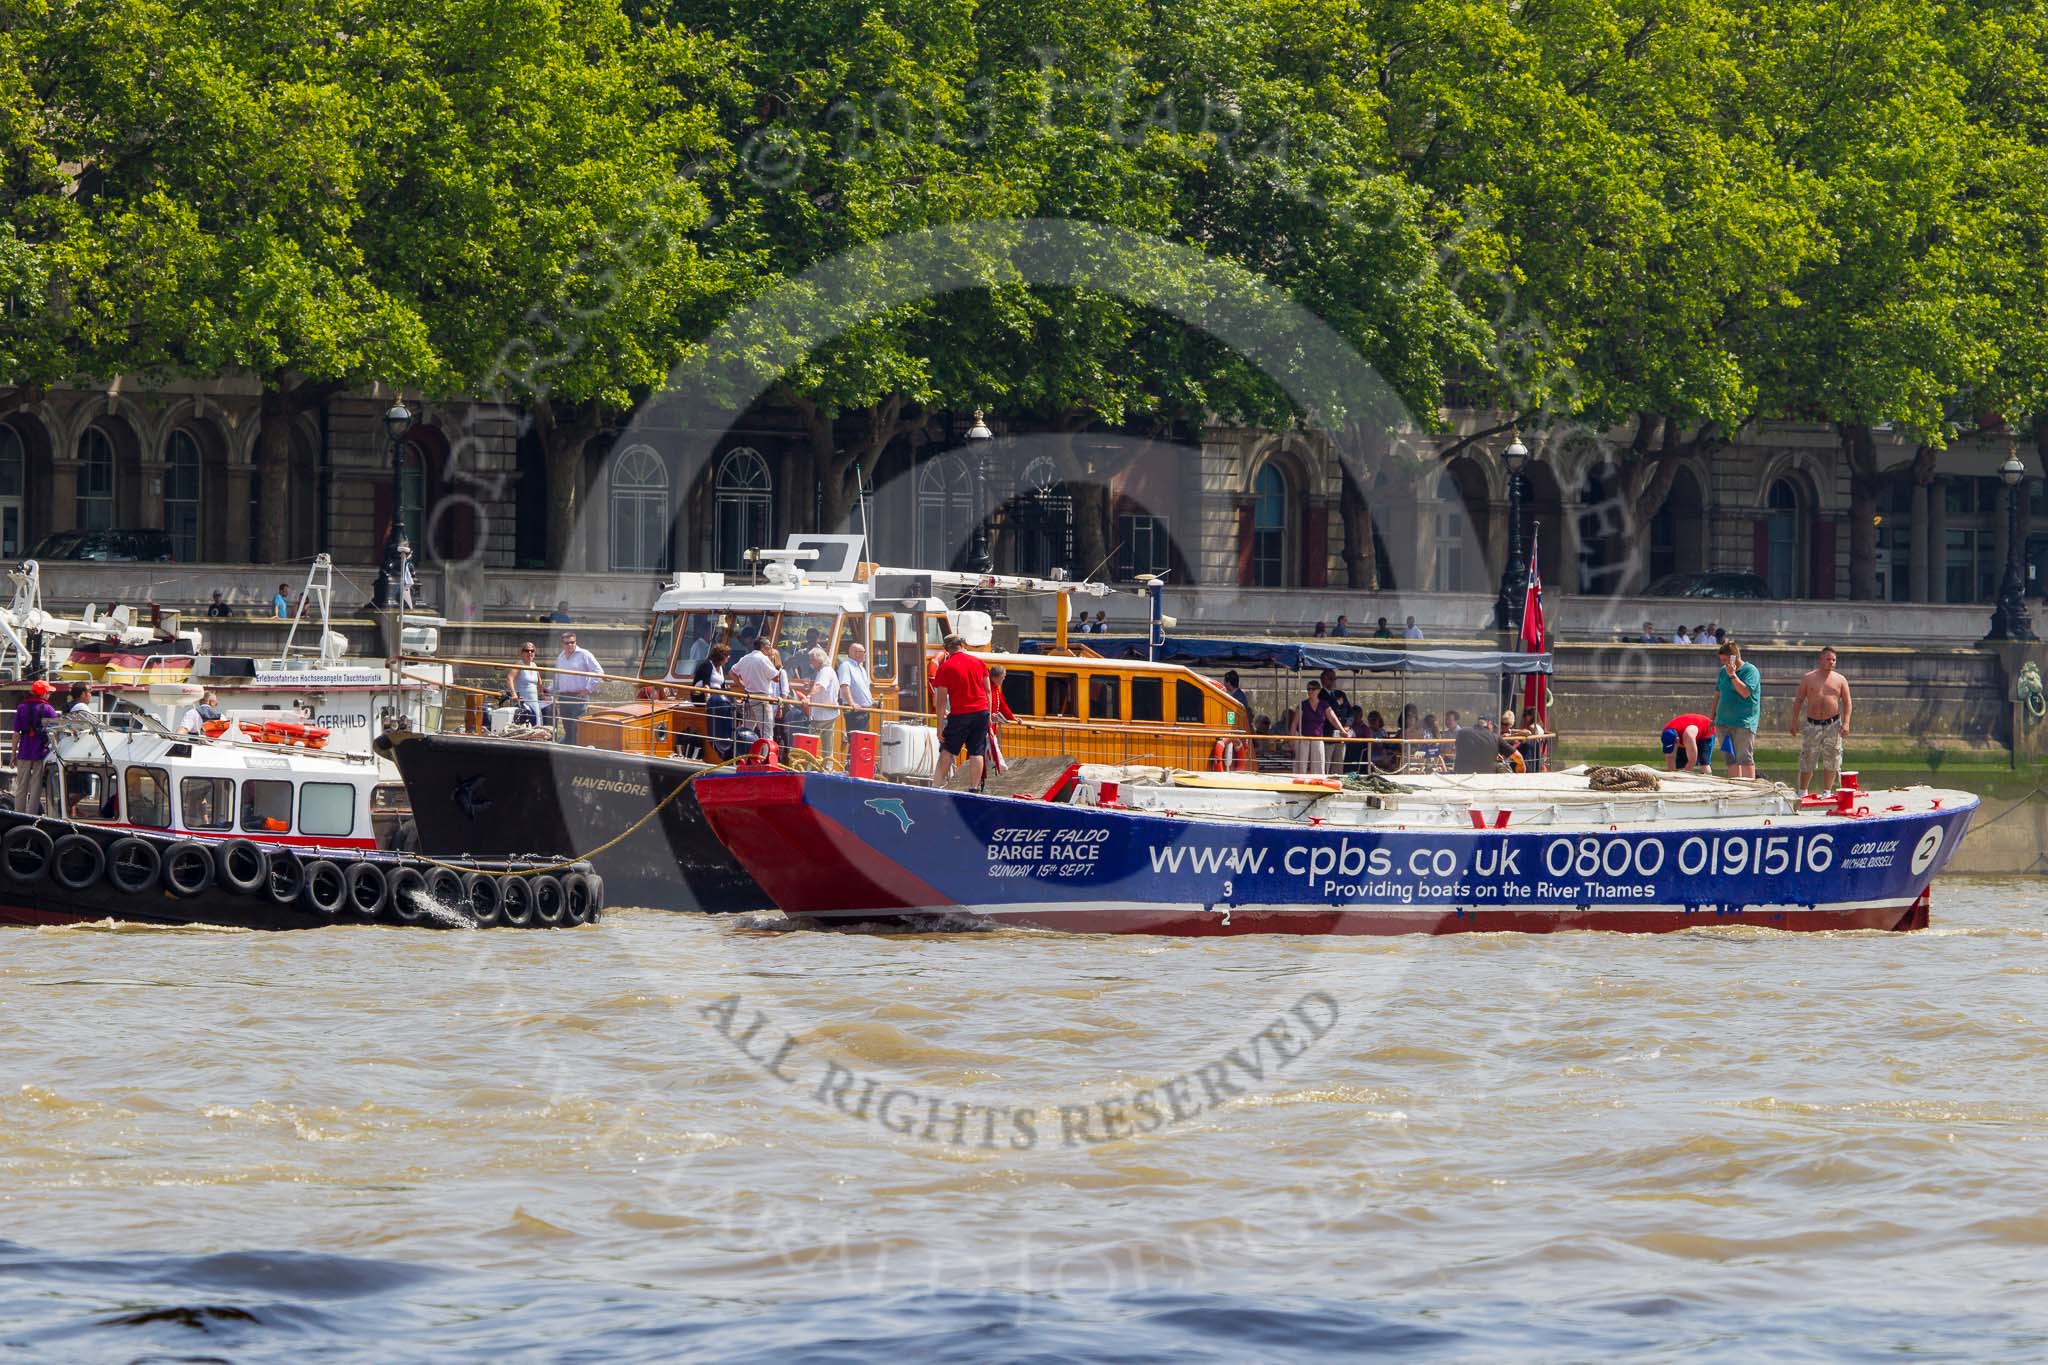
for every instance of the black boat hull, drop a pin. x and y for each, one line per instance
(42, 857)
(487, 797)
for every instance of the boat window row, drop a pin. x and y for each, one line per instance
(260, 806)
(1080, 695)
(679, 640)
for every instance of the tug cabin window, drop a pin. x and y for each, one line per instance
(207, 802)
(148, 792)
(327, 808)
(266, 806)
(1187, 703)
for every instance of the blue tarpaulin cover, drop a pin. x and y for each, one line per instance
(1305, 656)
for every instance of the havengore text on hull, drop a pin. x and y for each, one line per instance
(836, 848)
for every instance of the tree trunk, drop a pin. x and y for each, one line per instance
(563, 447)
(275, 412)
(1859, 448)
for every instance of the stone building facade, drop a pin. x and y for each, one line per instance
(1226, 506)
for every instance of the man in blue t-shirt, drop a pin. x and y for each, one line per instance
(1739, 709)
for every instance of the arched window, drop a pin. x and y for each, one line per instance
(95, 481)
(945, 511)
(181, 496)
(1043, 514)
(13, 490)
(639, 508)
(743, 507)
(1270, 500)
(1785, 523)
(1449, 527)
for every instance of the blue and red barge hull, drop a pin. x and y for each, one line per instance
(834, 848)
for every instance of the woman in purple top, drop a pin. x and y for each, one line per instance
(1318, 720)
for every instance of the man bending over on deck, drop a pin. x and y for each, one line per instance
(1689, 743)
(960, 686)
(1824, 699)
(1478, 748)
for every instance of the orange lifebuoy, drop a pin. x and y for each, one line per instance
(1228, 754)
(213, 729)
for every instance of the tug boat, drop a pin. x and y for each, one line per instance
(1133, 850)
(258, 831)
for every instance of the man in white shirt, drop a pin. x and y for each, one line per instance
(1413, 631)
(1679, 637)
(572, 693)
(855, 688)
(205, 709)
(756, 674)
(823, 697)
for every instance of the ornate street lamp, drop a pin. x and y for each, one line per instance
(980, 559)
(390, 588)
(1514, 573)
(2009, 618)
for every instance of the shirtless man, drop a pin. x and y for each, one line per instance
(1823, 703)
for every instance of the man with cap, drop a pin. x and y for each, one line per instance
(32, 747)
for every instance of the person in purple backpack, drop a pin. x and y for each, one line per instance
(32, 747)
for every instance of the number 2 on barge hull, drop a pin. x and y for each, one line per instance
(1079, 705)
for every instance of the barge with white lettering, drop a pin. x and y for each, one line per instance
(1132, 850)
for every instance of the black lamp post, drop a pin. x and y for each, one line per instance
(1514, 574)
(397, 550)
(2009, 619)
(980, 558)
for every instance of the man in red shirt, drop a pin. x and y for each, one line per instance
(1689, 743)
(961, 685)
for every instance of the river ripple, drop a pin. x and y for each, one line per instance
(583, 1143)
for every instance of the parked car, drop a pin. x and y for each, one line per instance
(1717, 583)
(138, 544)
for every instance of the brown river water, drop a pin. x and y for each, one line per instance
(672, 1136)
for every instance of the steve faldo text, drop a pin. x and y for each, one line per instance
(926, 1117)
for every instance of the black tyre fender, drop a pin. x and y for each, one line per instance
(445, 885)
(188, 867)
(597, 903)
(284, 876)
(369, 890)
(25, 853)
(243, 866)
(549, 903)
(326, 889)
(408, 893)
(77, 861)
(576, 899)
(518, 897)
(484, 897)
(133, 865)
